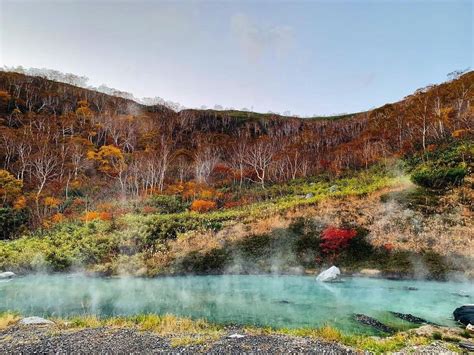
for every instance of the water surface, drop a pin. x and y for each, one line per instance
(277, 301)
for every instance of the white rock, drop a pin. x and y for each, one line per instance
(35, 321)
(329, 275)
(236, 336)
(7, 275)
(470, 328)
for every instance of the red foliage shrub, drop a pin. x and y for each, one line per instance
(333, 240)
(388, 247)
(203, 205)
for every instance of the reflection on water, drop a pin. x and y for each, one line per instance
(278, 301)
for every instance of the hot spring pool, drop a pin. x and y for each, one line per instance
(277, 301)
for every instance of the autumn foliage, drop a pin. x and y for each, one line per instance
(203, 205)
(334, 240)
(64, 149)
(94, 215)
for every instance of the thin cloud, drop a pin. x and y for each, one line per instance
(255, 40)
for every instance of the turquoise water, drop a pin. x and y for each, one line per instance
(277, 301)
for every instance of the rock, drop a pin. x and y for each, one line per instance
(410, 288)
(370, 272)
(35, 321)
(470, 328)
(374, 323)
(330, 274)
(308, 196)
(464, 314)
(430, 329)
(236, 336)
(461, 294)
(466, 345)
(333, 188)
(410, 318)
(7, 275)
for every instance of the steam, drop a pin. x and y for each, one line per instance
(279, 301)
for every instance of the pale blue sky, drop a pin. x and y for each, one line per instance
(308, 57)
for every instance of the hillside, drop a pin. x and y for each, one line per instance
(103, 183)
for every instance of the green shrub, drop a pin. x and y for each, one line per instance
(168, 204)
(211, 261)
(436, 264)
(439, 177)
(11, 222)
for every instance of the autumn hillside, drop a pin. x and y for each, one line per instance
(59, 140)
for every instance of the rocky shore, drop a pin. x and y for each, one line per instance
(49, 340)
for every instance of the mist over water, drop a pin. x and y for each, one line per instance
(277, 301)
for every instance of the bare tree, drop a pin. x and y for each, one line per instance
(205, 159)
(259, 157)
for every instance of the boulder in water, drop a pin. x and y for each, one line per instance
(374, 323)
(328, 275)
(7, 275)
(464, 314)
(35, 321)
(411, 318)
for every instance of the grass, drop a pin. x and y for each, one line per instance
(360, 342)
(8, 319)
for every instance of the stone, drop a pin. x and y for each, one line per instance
(374, 323)
(464, 314)
(370, 272)
(7, 275)
(429, 329)
(470, 328)
(236, 336)
(333, 188)
(328, 275)
(466, 345)
(35, 321)
(410, 318)
(309, 195)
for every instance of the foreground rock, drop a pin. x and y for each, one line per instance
(7, 275)
(464, 314)
(468, 345)
(41, 340)
(443, 332)
(328, 275)
(374, 323)
(35, 321)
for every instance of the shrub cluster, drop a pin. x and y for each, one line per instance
(439, 177)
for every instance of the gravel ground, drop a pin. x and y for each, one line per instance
(49, 340)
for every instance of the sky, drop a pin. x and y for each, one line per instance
(306, 57)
